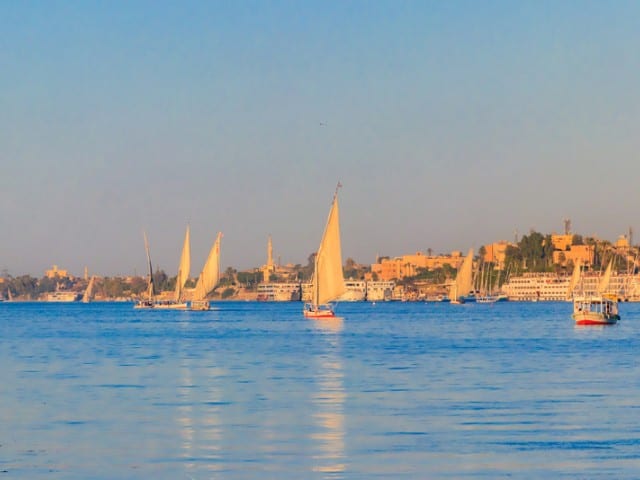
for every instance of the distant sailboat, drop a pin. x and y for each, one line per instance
(575, 278)
(464, 280)
(183, 270)
(88, 293)
(327, 283)
(148, 301)
(177, 303)
(208, 278)
(603, 286)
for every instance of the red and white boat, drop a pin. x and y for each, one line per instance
(595, 310)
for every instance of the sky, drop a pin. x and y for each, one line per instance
(449, 124)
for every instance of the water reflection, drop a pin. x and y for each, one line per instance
(198, 417)
(328, 402)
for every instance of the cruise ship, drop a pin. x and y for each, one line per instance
(380, 291)
(359, 291)
(533, 287)
(278, 292)
(62, 296)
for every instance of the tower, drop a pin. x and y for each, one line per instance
(269, 252)
(269, 268)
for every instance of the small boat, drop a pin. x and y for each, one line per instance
(208, 278)
(328, 283)
(594, 309)
(178, 302)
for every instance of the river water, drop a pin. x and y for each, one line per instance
(254, 390)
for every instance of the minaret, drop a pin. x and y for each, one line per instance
(268, 268)
(269, 253)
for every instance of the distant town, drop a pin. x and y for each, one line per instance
(531, 268)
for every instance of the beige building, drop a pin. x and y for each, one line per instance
(561, 242)
(408, 265)
(584, 253)
(55, 272)
(496, 253)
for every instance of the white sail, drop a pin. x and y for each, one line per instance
(603, 286)
(464, 279)
(210, 274)
(184, 267)
(575, 278)
(328, 280)
(88, 293)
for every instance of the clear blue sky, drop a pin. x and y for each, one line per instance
(450, 124)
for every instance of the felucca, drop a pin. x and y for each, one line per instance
(464, 280)
(88, 293)
(148, 301)
(178, 302)
(327, 283)
(208, 278)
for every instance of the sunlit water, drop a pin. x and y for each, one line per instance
(254, 390)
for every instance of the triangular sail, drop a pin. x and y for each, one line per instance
(464, 279)
(328, 279)
(603, 286)
(575, 278)
(210, 274)
(88, 293)
(151, 291)
(184, 267)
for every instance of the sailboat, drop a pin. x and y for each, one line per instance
(88, 293)
(208, 278)
(598, 308)
(178, 302)
(327, 283)
(184, 269)
(464, 281)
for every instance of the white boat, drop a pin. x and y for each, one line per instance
(208, 278)
(487, 293)
(463, 284)
(328, 280)
(177, 302)
(62, 296)
(598, 308)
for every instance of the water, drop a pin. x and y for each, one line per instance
(254, 390)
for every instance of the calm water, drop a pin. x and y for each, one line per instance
(254, 390)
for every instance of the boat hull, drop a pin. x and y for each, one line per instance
(322, 311)
(200, 305)
(592, 318)
(160, 306)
